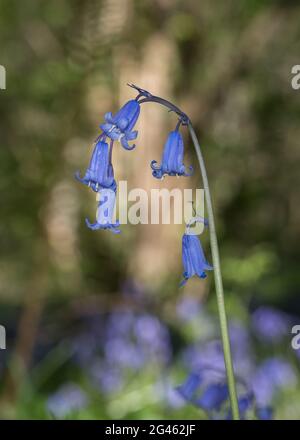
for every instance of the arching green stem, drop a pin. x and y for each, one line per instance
(218, 280)
(185, 120)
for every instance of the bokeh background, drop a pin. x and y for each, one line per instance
(97, 326)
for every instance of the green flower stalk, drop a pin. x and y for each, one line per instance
(218, 279)
(185, 120)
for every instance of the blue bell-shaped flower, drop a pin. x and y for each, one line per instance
(190, 386)
(245, 402)
(119, 127)
(105, 212)
(100, 173)
(193, 258)
(213, 397)
(264, 413)
(172, 158)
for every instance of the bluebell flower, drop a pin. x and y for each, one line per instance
(119, 127)
(119, 323)
(190, 386)
(124, 352)
(119, 347)
(271, 325)
(239, 338)
(272, 376)
(105, 212)
(264, 413)
(207, 357)
(84, 347)
(100, 173)
(172, 158)
(133, 341)
(109, 378)
(193, 258)
(133, 290)
(153, 337)
(241, 347)
(281, 372)
(188, 308)
(262, 386)
(245, 402)
(67, 399)
(167, 393)
(213, 397)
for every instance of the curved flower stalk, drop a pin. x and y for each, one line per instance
(105, 212)
(218, 279)
(119, 127)
(172, 158)
(100, 173)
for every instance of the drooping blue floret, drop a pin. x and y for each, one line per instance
(264, 413)
(193, 258)
(68, 399)
(206, 388)
(245, 402)
(109, 378)
(119, 127)
(105, 212)
(189, 387)
(213, 397)
(100, 173)
(271, 325)
(188, 308)
(172, 158)
(270, 377)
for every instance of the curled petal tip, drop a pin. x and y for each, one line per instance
(90, 225)
(113, 228)
(95, 226)
(157, 173)
(152, 165)
(115, 231)
(80, 179)
(77, 175)
(126, 145)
